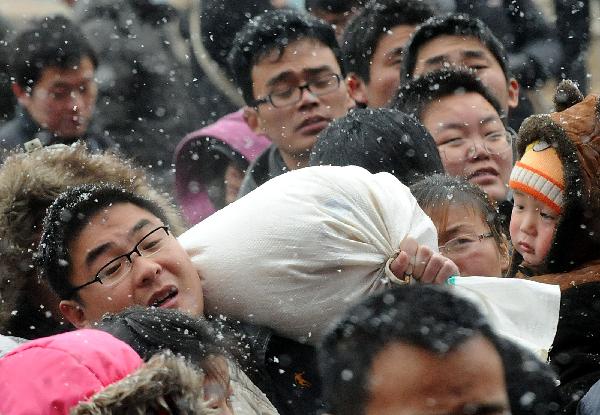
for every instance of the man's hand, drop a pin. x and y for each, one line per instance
(419, 262)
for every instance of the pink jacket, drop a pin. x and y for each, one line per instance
(50, 375)
(233, 136)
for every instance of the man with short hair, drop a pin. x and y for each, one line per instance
(337, 13)
(104, 249)
(289, 68)
(53, 68)
(458, 40)
(29, 183)
(373, 47)
(422, 350)
(467, 124)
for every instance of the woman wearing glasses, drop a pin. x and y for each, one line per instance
(469, 230)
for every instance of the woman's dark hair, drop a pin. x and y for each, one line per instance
(435, 194)
(151, 330)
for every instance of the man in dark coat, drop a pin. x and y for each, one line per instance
(145, 79)
(53, 69)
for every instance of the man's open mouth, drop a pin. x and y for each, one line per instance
(162, 296)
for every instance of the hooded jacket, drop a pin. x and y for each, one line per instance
(171, 385)
(29, 183)
(49, 376)
(574, 130)
(165, 385)
(198, 172)
(573, 261)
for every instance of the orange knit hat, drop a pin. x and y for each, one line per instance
(540, 174)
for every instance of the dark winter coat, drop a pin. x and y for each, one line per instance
(266, 166)
(285, 370)
(23, 128)
(145, 79)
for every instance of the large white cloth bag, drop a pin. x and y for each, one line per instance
(298, 251)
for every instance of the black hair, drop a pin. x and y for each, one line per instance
(415, 95)
(64, 221)
(52, 41)
(222, 19)
(150, 330)
(274, 31)
(374, 20)
(332, 6)
(433, 319)
(436, 193)
(452, 25)
(427, 317)
(379, 140)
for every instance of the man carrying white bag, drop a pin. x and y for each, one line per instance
(295, 253)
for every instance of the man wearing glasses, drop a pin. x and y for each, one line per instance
(467, 124)
(288, 67)
(104, 249)
(113, 251)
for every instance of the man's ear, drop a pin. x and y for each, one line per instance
(74, 312)
(513, 93)
(22, 96)
(357, 88)
(252, 119)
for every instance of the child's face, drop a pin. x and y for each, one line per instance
(532, 227)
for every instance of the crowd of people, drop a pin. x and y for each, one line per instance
(252, 208)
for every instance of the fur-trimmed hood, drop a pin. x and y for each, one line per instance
(172, 385)
(29, 183)
(164, 385)
(574, 130)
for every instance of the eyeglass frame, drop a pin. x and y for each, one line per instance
(480, 237)
(512, 134)
(269, 100)
(128, 255)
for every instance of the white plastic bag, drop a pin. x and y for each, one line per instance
(523, 311)
(295, 253)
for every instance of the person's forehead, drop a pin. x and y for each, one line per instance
(123, 216)
(448, 45)
(412, 377)
(57, 76)
(296, 58)
(396, 36)
(455, 106)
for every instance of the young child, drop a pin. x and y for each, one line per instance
(470, 230)
(555, 228)
(538, 184)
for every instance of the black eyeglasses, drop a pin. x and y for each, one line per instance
(117, 269)
(288, 97)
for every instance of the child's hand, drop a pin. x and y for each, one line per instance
(421, 263)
